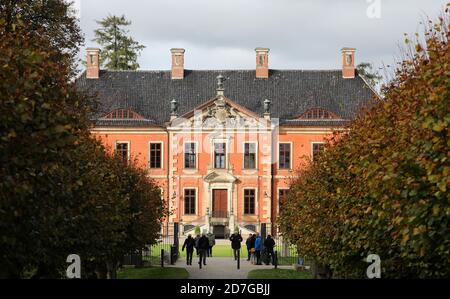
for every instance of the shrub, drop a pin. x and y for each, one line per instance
(383, 187)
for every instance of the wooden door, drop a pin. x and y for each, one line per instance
(220, 203)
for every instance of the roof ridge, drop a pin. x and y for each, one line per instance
(222, 70)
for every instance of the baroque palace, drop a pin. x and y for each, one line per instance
(223, 145)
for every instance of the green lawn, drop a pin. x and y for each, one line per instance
(153, 273)
(218, 251)
(279, 274)
(154, 256)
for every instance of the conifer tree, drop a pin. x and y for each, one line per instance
(365, 70)
(119, 50)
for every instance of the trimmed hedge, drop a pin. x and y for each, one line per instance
(383, 187)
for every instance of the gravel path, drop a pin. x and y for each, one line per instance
(221, 268)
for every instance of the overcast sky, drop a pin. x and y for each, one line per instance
(302, 34)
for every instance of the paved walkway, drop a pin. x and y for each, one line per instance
(221, 268)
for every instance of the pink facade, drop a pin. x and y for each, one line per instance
(224, 149)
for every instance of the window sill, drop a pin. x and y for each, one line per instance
(250, 171)
(190, 170)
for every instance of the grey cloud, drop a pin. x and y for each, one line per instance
(301, 34)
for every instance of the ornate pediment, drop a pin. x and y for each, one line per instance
(220, 177)
(219, 113)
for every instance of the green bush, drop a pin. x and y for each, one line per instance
(61, 192)
(383, 187)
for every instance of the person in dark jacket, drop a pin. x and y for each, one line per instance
(236, 241)
(269, 244)
(196, 243)
(212, 242)
(203, 247)
(189, 244)
(253, 255)
(248, 243)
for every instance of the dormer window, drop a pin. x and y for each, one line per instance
(123, 114)
(318, 113)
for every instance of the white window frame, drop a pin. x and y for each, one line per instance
(312, 147)
(213, 152)
(256, 154)
(149, 154)
(291, 155)
(278, 197)
(256, 201)
(123, 142)
(196, 155)
(196, 201)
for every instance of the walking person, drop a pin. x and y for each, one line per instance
(236, 240)
(269, 244)
(258, 248)
(189, 244)
(212, 243)
(203, 246)
(253, 250)
(248, 243)
(197, 238)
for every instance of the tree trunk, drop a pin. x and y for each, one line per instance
(101, 271)
(8, 272)
(111, 270)
(45, 271)
(322, 271)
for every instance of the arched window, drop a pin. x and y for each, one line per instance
(123, 114)
(319, 113)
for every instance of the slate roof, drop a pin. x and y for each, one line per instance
(292, 92)
(315, 123)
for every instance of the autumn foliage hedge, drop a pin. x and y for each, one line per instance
(61, 192)
(383, 187)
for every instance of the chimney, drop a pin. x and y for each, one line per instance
(348, 63)
(177, 64)
(93, 63)
(262, 63)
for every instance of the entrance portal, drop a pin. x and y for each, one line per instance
(219, 231)
(220, 204)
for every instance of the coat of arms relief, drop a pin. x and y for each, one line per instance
(222, 115)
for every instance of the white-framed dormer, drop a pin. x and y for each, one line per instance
(312, 147)
(291, 144)
(196, 143)
(150, 154)
(256, 155)
(128, 143)
(256, 201)
(183, 210)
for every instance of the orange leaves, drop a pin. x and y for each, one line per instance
(384, 187)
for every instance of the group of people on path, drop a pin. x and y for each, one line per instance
(202, 244)
(254, 246)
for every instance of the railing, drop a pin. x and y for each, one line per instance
(220, 214)
(168, 243)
